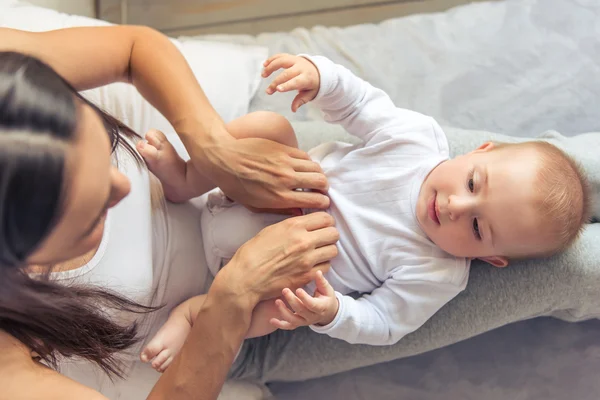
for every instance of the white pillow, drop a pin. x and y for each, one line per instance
(228, 73)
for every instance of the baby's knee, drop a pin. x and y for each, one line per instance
(268, 125)
(279, 127)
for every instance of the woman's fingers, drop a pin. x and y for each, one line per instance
(308, 199)
(325, 236)
(312, 180)
(295, 153)
(324, 254)
(306, 166)
(314, 221)
(324, 268)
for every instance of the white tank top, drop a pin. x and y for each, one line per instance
(152, 257)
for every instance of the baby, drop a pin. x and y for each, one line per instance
(410, 219)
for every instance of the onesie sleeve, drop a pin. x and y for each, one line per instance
(390, 312)
(368, 112)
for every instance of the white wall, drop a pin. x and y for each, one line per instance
(79, 7)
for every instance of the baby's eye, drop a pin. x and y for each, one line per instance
(476, 229)
(471, 185)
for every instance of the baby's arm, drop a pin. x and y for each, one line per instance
(346, 99)
(393, 310)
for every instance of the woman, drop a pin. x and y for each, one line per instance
(73, 269)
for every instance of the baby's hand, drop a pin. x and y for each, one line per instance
(306, 309)
(300, 74)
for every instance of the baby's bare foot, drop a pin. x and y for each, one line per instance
(165, 163)
(165, 345)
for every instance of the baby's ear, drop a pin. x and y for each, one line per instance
(496, 261)
(487, 146)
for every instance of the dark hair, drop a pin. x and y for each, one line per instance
(38, 120)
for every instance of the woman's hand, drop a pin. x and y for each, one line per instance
(263, 174)
(287, 254)
(300, 74)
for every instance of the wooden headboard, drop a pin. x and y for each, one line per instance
(193, 17)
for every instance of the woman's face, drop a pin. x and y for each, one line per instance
(93, 185)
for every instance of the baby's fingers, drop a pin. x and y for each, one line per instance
(282, 79)
(323, 285)
(310, 302)
(300, 82)
(274, 57)
(288, 320)
(276, 62)
(282, 324)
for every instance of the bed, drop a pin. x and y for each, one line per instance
(518, 67)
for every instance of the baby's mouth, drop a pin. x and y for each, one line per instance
(433, 209)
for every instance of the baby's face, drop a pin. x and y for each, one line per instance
(483, 204)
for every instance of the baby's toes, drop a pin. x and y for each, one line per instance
(147, 151)
(160, 359)
(151, 351)
(156, 138)
(165, 365)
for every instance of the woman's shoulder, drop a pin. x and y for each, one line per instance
(22, 377)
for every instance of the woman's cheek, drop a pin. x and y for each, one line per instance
(92, 241)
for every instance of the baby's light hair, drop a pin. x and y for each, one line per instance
(564, 195)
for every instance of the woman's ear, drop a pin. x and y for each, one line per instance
(496, 261)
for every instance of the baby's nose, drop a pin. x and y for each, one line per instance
(458, 206)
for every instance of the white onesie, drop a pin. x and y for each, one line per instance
(403, 276)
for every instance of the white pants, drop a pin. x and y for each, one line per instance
(227, 225)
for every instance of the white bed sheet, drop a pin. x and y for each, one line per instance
(518, 67)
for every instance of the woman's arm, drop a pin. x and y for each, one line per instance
(255, 172)
(201, 367)
(90, 57)
(21, 377)
(259, 270)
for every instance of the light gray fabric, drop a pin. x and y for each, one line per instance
(518, 67)
(566, 286)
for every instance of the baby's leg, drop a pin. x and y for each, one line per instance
(180, 180)
(262, 314)
(167, 342)
(264, 125)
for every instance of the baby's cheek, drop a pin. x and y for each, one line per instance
(455, 242)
